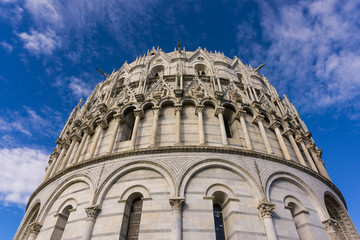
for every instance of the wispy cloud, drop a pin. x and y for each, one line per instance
(313, 48)
(8, 47)
(21, 172)
(40, 43)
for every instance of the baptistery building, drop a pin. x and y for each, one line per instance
(186, 145)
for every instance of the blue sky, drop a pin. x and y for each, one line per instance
(50, 49)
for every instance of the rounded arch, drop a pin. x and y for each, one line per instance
(147, 104)
(213, 163)
(135, 190)
(201, 68)
(188, 100)
(167, 101)
(249, 110)
(93, 123)
(129, 167)
(109, 115)
(65, 204)
(62, 187)
(209, 102)
(301, 184)
(218, 187)
(156, 70)
(127, 108)
(31, 216)
(230, 105)
(290, 202)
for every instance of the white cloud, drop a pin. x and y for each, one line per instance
(40, 43)
(8, 47)
(314, 52)
(79, 87)
(21, 172)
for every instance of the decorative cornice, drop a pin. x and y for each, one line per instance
(197, 149)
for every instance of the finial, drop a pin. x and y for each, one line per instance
(259, 67)
(102, 72)
(179, 46)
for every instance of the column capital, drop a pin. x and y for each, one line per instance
(308, 135)
(58, 140)
(118, 117)
(219, 110)
(65, 145)
(240, 113)
(257, 118)
(319, 153)
(330, 225)
(77, 123)
(178, 108)
(157, 110)
(287, 132)
(34, 228)
(103, 124)
(75, 137)
(274, 124)
(176, 204)
(265, 208)
(299, 138)
(86, 128)
(138, 113)
(102, 107)
(92, 212)
(199, 109)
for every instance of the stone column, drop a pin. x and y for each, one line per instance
(330, 225)
(300, 140)
(199, 111)
(176, 221)
(266, 208)
(65, 146)
(178, 111)
(258, 119)
(117, 120)
(289, 133)
(275, 127)
(101, 125)
(319, 165)
(138, 114)
(219, 112)
(157, 112)
(75, 141)
(87, 131)
(92, 213)
(34, 229)
(240, 116)
(53, 158)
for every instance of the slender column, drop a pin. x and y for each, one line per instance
(300, 140)
(75, 140)
(65, 146)
(178, 111)
(34, 229)
(240, 117)
(87, 132)
(219, 84)
(138, 114)
(289, 133)
(199, 111)
(266, 208)
(258, 119)
(275, 127)
(101, 125)
(92, 213)
(330, 225)
(157, 112)
(117, 120)
(255, 95)
(53, 158)
(319, 165)
(219, 112)
(176, 221)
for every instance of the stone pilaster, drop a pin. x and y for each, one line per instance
(34, 229)
(275, 127)
(117, 119)
(178, 112)
(240, 116)
(176, 207)
(265, 210)
(157, 112)
(91, 213)
(199, 111)
(258, 119)
(330, 225)
(219, 112)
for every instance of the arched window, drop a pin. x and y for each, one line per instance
(132, 216)
(219, 222)
(61, 223)
(127, 126)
